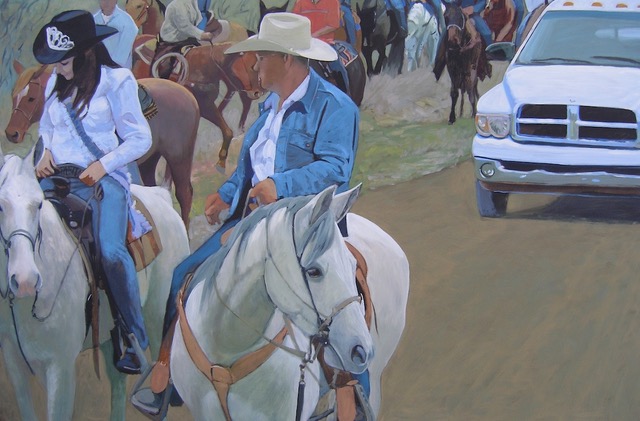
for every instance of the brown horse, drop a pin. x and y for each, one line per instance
(147, 14)
(174, 128)
(206, 66)
(463, 54)
(501, 19)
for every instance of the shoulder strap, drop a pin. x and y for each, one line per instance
(93, 148)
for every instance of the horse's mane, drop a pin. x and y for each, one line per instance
(23, 79)
(245, 226)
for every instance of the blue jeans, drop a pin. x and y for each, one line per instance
(349, 25)
(189, 265)
(483, 29)
(109, 226)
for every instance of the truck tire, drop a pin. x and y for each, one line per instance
(490, 204)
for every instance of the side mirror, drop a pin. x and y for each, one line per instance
(501, 51)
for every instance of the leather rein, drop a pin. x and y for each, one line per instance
(222, 378)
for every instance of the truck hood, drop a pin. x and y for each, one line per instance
(581, 85)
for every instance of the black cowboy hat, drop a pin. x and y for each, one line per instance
(68, 34)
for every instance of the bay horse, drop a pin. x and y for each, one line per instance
(147, 14)
(501, 18)
(174, 129)
(465, 59)
(44, 290)
(207, 66)
(379, 31)
(287, 265)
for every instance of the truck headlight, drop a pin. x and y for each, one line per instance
(496, 125)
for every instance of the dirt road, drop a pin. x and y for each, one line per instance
(533, 316)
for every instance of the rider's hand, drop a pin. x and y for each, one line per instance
(46, 167)
(206, 36)
(468, 11)
(264, 192)
(213, 205)
(93, 173)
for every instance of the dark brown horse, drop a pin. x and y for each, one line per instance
(462, 51)
(378, 32)
(174, 128)
(206, 66)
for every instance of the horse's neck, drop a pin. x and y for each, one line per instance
(57, 252)
(154, 22)
(239, 306)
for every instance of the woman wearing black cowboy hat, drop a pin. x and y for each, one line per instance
(88, 98)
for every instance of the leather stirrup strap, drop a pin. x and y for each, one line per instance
(223, 377)
(160, 373)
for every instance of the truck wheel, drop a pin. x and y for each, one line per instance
(490, 204)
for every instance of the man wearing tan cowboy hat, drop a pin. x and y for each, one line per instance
(304, 140)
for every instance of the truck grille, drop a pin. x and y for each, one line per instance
(577, 125)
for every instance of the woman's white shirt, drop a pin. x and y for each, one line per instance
(114, 107)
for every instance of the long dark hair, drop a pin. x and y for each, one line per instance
(86, 77)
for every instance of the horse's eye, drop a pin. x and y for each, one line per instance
(314, 273)
(31, 99)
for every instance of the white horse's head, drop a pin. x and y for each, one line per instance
(310, 276)
(20, 203)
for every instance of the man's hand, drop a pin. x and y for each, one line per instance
(264, 192)
(213, 205)
(206, 36)
(46, 167)
(93, 173)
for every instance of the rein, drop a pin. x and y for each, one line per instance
(223, 377)
(143, 13)
(6, 243)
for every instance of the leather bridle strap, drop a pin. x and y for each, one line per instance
(223, 377)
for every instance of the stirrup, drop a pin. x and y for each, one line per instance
(149, 411)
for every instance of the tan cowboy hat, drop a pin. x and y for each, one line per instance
(286, 33)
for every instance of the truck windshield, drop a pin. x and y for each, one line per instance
(584, 37)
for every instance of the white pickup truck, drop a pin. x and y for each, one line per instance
(565, 117)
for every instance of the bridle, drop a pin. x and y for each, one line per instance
(223, 377)
(38, 98)
(144, 12)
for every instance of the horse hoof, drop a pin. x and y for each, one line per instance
(221, 167)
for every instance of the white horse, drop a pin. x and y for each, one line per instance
(422, 37)
(42, 304)
(287, 262)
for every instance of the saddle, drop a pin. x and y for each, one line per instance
(77, 215)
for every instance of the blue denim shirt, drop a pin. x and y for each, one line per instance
(316, 146)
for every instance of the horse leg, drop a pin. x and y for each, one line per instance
(61, 388)
(213, 114)
(246, 106)
(148, 169)
(225, 100)
(181, 171)
(462, 102)
(118, 384)
(454, 99)
(19, 376)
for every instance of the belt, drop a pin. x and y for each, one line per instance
(69, 170)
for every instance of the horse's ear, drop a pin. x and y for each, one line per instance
(343, 202)
(321, 203)
(34, 156)
(18, 67)
(313, 210)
